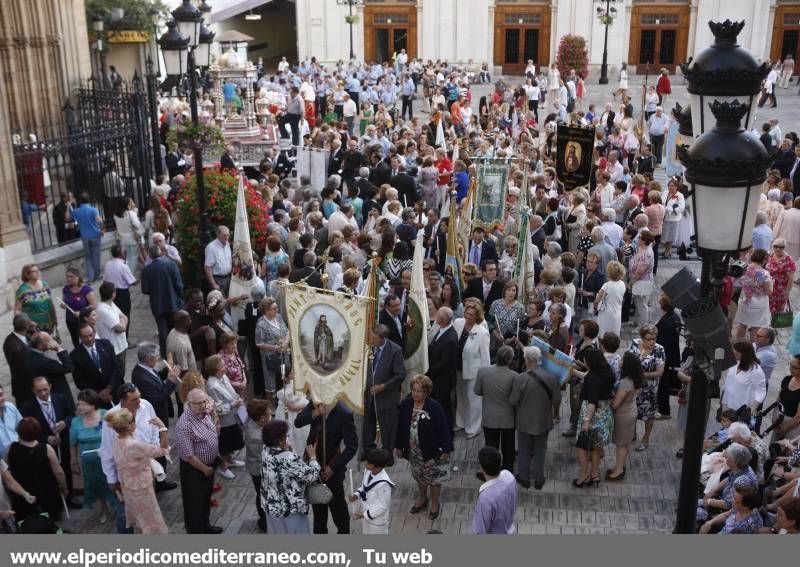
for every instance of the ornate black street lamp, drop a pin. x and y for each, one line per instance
(606, 16)
(185, 47)
(725, 167)
(350, 19)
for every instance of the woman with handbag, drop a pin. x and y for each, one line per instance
(781, 268)
(227, 402)
(272, 340)
(624, 406)
(596, 418)
(640, 270)
(284, 479)
(424, 438)
(753, 307)
(652, 356)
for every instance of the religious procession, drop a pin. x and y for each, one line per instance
(372, 269)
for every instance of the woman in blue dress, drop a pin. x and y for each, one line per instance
(84, 437)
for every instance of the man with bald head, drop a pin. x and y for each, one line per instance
(443, 361)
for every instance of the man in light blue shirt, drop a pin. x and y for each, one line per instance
(765, 350)
(657, 126)
(91, 228)
(354, 88)
(407, 91)
(762, 233)
(9, 419)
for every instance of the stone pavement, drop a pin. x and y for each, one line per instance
(643, 503)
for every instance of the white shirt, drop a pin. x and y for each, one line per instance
(606, 195)
(218, 258)
(145, 432)
(442, 332)
(349, 109)
(742, 388)
(107, 319)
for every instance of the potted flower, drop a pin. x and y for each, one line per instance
(196, 136)
(351, 19)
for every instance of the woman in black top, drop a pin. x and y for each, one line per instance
(789, 397)
(596, 418)
(669, 333)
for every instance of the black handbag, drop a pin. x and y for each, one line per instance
(584, 441)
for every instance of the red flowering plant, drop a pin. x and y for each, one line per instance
(572, 54)
(221, 189)
(203, 135)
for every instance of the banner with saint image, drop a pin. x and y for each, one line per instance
(330, 342)
(489, 211)
(574, 151)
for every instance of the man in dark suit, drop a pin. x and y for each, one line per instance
(15, 349)
(385, 374)
(480, 249)
(339, 428)
(335, 159)
(443, 362)
(363, 183)
(407, 230)
(429, 232)
(485, 287)
(405, 184)
(494, 385)
(226, 159)
(39, 364)
(155, 387)
(176, 165)
(794, 172)
(392, 316)
(784, 158)
(161, 280)
(54, 413)
(96, 366)
(439, 245)
(381, 171)
(308, 272)
(352, 160)
(538, 235)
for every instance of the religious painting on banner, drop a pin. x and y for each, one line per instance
(329, 343)
(574, 147)
(490, 199)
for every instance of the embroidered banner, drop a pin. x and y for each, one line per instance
(574, 147)
(490, 199)
(329, 343)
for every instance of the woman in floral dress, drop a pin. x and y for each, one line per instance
(652, 356)
(235, 368)
(132, 458)
(505, 317)
(35, 298)
(781, 267)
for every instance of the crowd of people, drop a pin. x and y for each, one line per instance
(227, 384)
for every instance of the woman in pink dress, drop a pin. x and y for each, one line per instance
(781, 267)
(132, 458)
(235, 367)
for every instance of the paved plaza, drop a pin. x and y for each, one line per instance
(643, 503)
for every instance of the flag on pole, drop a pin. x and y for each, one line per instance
(440, 140)
(524, 266)
(452, 263)
(465, 219)
(416, 343)
(371, 289)
(243, 274)
(456, 150)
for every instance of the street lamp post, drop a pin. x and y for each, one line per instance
(725, 167)
(350, 20)
(98, 24)
(185, 46)
(606, 16)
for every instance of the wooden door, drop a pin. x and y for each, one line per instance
(659, 37)
(388, 29)
(521, 33)
(786, 34)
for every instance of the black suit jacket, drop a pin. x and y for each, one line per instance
(363, 184)
(87, 375)
(390, 371)
(155, 390)
(173, 168)
(784, 161)
(339, 428)
(395, 336)
(161, 280)
(321, 235)
(226, 162)
(54, 370)
(335, 162)
(443, 363)
(475, 289)
(63, 412)
(406, 187)
(406, 233)
(16, 353)
(314, 280)
(488, 252)
(538, 239)
(381, 173)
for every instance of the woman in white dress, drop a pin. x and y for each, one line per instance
(608, 302)
(474, 346)
(553, 83)
(622, 91)
(291, 403)
(745, 383)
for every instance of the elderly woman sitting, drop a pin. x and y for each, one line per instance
(720, 498)
(740, 433)
(743, 517)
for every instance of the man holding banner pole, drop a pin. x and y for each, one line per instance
(385, 374)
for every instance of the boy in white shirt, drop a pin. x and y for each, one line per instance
(375, 493)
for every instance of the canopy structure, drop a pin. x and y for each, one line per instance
(234, 9)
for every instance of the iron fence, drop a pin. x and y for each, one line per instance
(103, 148)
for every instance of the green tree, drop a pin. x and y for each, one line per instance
(137, 13)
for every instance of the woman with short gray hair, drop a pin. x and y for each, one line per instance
(720, 497)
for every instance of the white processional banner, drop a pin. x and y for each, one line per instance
(329, 343)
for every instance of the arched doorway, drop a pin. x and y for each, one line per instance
(659, 36)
